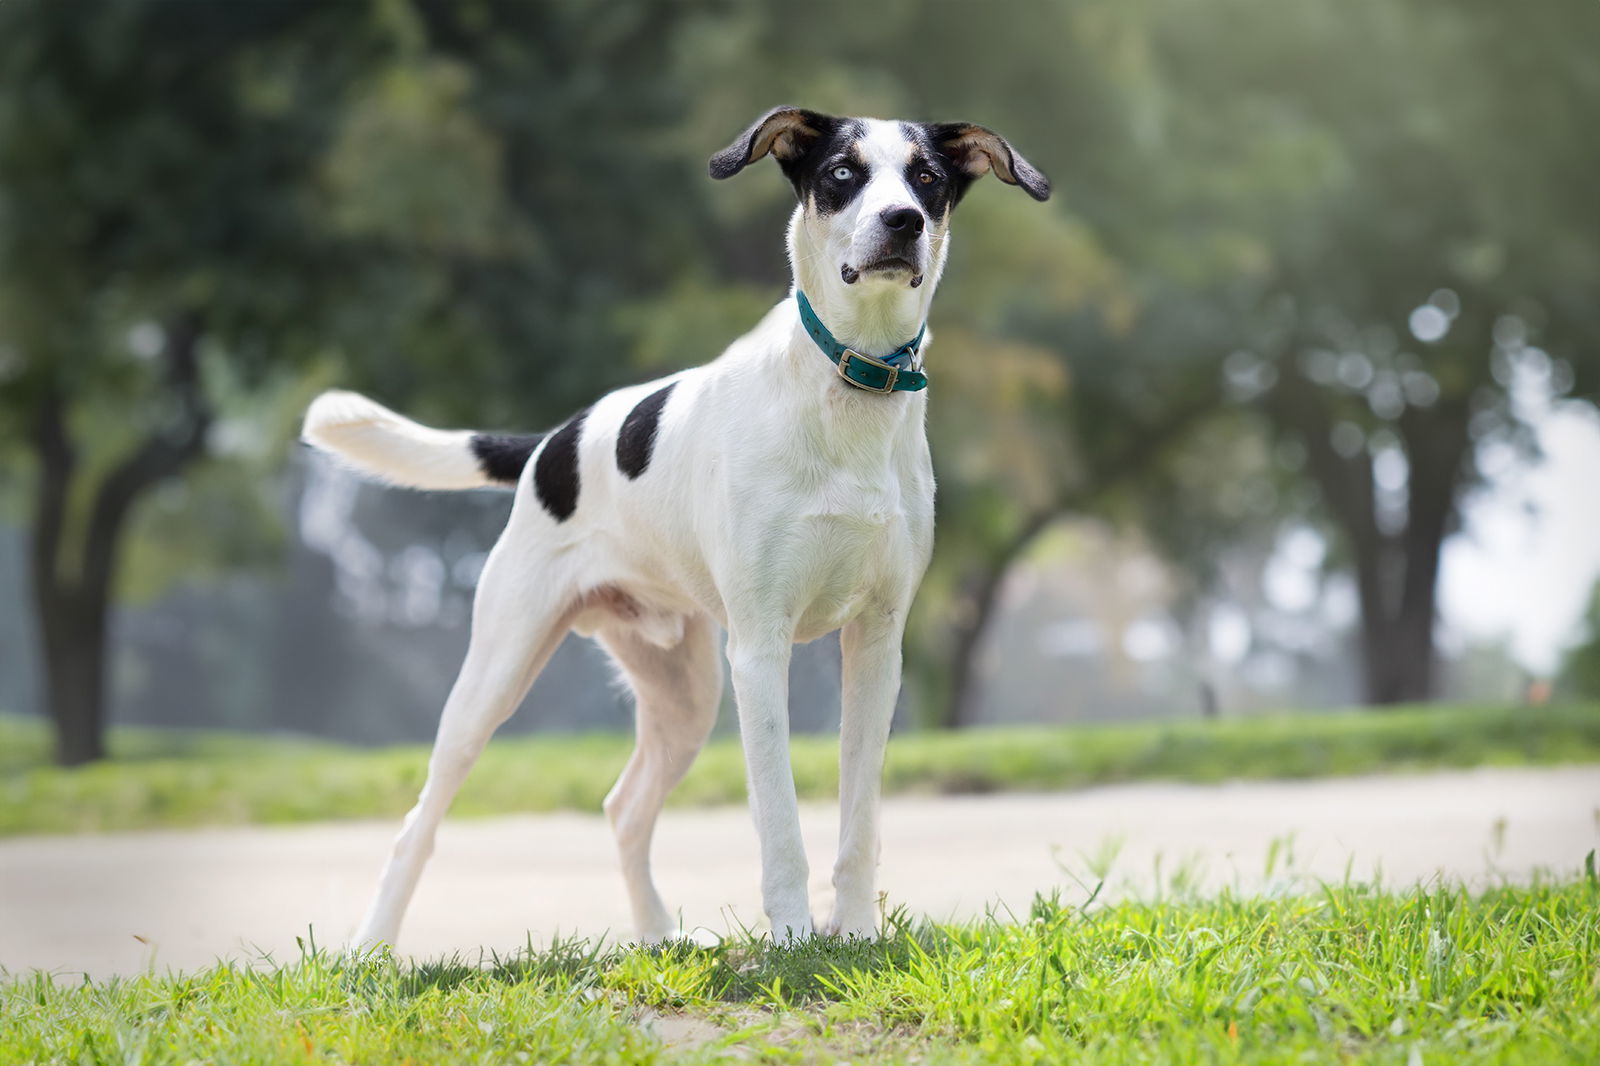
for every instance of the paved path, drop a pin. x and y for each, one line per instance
(117, 904)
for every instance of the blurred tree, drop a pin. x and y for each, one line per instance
(1336, 243)
(197, 200)
(1435, 251)
(503, 176)
(1370, 226)
(149, 222)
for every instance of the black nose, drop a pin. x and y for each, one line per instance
(908, 219)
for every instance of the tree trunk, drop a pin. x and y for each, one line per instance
(983, 592)
(959, 706)
(1397, 572)
(72, 602)
(75, 658)
(71, 636)
(1399, 659)
(1403, 662)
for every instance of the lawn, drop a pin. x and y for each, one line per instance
(1345, 974)
(164, 778)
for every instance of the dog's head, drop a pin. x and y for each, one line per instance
(876, 196)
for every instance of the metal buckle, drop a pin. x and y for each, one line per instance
(888, 385)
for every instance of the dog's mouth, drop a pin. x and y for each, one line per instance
(889, 265)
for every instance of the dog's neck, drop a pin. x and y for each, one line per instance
(870, 316)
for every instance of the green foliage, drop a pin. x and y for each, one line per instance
(489, 212)
(176, 778)
(368, 183)
(1505, 976)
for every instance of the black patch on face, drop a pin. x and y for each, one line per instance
(960, 144)
(636, 441)
(811, 173)
(555, 472)
(501, 457)
(950, 182)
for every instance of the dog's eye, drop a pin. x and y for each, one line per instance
(843, 173)
(927, 177)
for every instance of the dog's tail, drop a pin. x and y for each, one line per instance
(379, 443)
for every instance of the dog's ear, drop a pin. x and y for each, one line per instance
(975, 151)
(785, 132)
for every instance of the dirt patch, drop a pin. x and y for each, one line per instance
(686, 1031)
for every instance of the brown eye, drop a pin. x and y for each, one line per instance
(927, 177)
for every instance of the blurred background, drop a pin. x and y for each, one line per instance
(1284, 400)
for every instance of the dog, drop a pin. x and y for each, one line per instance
(781, 492)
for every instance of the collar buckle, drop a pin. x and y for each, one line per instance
(891, 373)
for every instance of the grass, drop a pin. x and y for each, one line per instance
(173, 779)
(1345, 974)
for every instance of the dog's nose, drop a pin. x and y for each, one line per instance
(907, 221)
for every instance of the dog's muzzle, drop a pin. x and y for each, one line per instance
(898, 250)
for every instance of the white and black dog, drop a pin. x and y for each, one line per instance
(782, 492)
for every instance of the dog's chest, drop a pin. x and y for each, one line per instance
(853, 542)
(852, 503)
(823, 508)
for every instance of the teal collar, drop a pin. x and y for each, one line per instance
(894, 373)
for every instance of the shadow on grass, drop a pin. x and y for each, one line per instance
(738, 969)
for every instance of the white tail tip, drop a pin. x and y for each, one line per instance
(376, 441)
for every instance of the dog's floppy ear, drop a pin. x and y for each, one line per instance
(785, 132)
(976, 151)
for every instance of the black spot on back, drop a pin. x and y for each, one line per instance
(636, 441)
(555, 472)
(501, 457)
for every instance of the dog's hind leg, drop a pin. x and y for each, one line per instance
(677, 691)
(518, 620)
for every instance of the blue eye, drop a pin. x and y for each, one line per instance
(843, 173)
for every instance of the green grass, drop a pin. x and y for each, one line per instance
(1346, 974)
(163, 778)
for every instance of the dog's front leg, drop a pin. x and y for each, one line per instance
(870, 646)
(760, 670)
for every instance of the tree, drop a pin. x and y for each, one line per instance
(199, 200)
(1369, 226)
(1351, 233)
(1080, 450)
(1436, 250)
(146, 217)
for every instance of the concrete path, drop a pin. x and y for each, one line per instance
(181, 900)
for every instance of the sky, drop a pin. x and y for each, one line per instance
(1529, 552)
